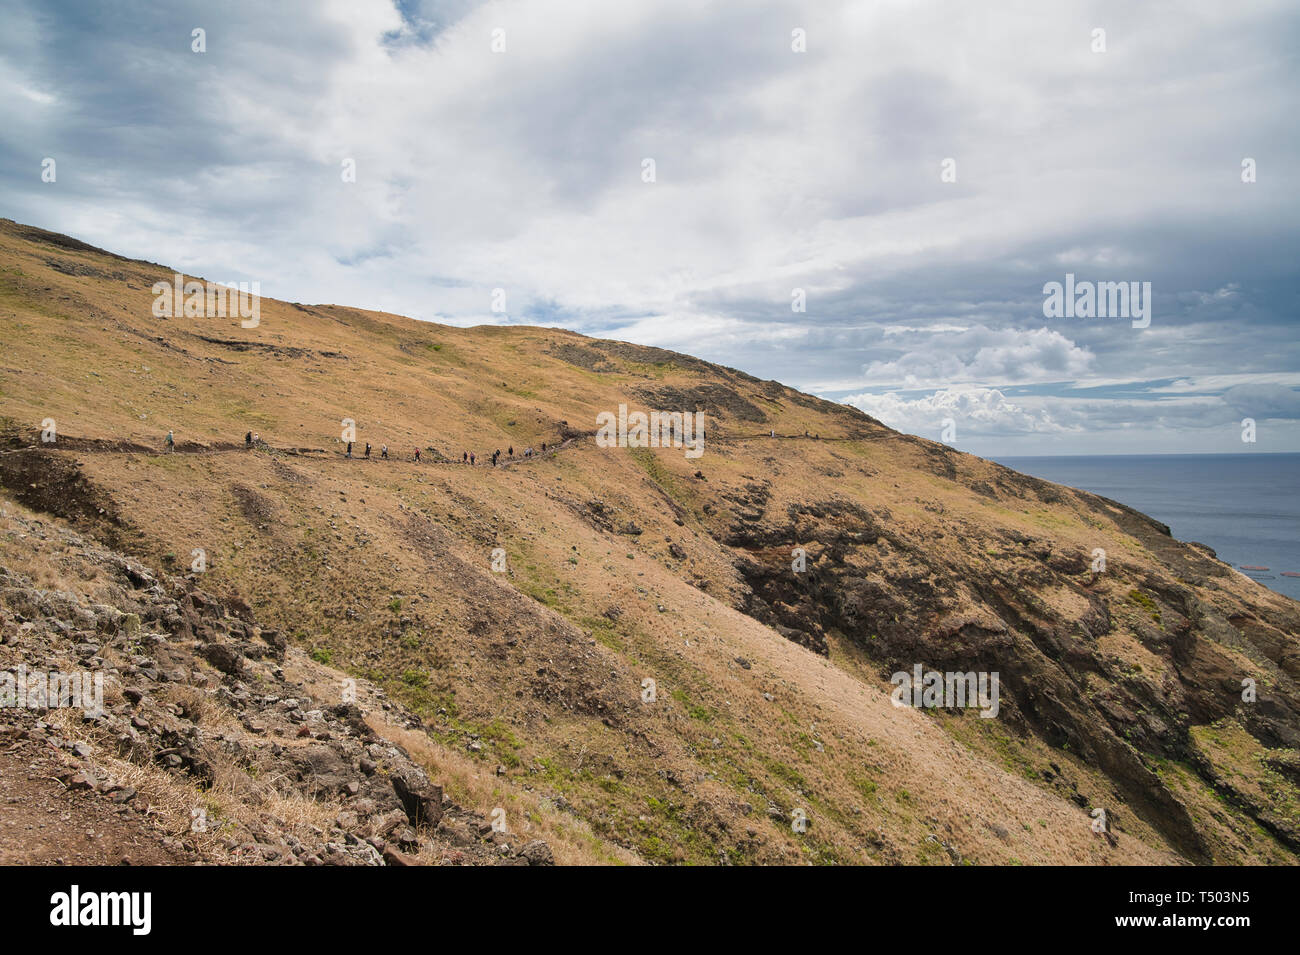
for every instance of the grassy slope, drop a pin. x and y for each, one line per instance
(383, 569)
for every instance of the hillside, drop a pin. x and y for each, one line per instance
(1121, 690)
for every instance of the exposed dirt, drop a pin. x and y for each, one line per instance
(45, 821)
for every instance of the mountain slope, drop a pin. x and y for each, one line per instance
(1120, 690)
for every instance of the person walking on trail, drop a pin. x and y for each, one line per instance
(511, 451)
(349, 449)
(248, 439)
(471, 459)
(495, 454)
(464, 457)
(383, 452)
(367, 450)
(543, 447)
(774, 432)
(257, 439)
(170, 442)
(417, 455)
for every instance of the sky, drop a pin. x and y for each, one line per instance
(864, 200)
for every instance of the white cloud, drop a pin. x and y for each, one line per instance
(982, 354)
(981, 411)
(1201, 384)
(1264, 400)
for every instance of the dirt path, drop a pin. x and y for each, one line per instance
(767, 436)
(44, 822)
(103, 446)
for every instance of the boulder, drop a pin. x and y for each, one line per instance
(537, 852)
(224, 657)
(422, 801)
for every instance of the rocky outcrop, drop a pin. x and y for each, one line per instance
(194, 688)
(906, 601)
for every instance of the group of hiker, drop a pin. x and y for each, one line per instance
(251, 439)
(383, 452)
(468, 457)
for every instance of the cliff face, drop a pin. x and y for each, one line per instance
(1120, 667)
(687, 658)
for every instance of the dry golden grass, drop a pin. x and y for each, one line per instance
(324, 549)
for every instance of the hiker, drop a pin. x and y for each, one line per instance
(495, 455)
(417, 455)
(257, 439)
(170, 442)
(248, 440)
(511, 451)
(367, 450)
(349, 449)
(471, 459)
(543, 447)
(464, 457)
(774, 432)
(383, 452)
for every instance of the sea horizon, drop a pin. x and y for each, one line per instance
(1249, 515)
(1155, 454)
(1152, 454)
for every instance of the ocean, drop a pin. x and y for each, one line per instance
(1245, 506)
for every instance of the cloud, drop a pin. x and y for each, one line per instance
(775, 170)
(983, 411)
(1264, 400)
(987, 419)
(982, 354)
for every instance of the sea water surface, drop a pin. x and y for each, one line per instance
(1245, 506)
